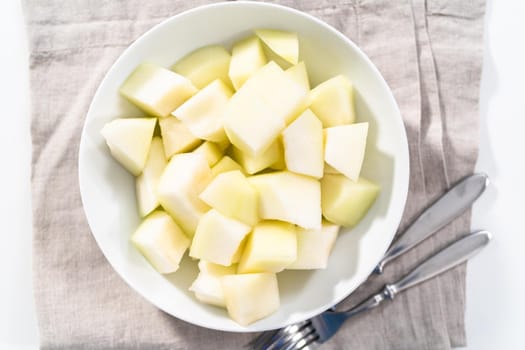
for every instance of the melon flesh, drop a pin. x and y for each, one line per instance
(207, 286)
(217, 238)
(203, 112)
(161, 241)
(176, 137)
(247, 58)
(333, 102)
(345, 148)
(289, 197)
(314, 247)
(250, 297)
(303, 145)
(156, 90)
(299, 74)
(280, 46)
(147, 182)
(224, 165)
(346, 202)
(232, 195)
(211, 152)
(129, 141)
(204, 65)
(253, 164)
(271, 247)
(184, 178)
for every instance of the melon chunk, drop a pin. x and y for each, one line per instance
(204, 65)
(247, 57)
(280, 43)
(345, 148)
(253, 164)
(161, 241)
(207, 286)
(250, 297)
(217, 238)
(129, 141)
(333, 102)
(232, 195)
(299, 74)
(156, 90)
(147, 182)
(176, 137)
(271, 247)
(224, 165)
(184, 178)
(303, 145)
(314, 247)
(260, 110)
(346, 202)
(210, 151)
(289, 197)
(203, 112)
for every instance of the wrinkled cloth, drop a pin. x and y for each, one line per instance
(430, 54)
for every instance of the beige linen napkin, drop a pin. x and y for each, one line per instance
(428, 51)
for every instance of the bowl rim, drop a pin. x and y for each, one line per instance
(404, 175)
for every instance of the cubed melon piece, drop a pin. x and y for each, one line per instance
(232, 195)
(281, 44)
(224, 165)
(303, 145)
(333, 102)
(183, 179)
(250, 297)
(217, 238)
(271, 247)
(207, 286)
(260, 110)
(210, 151)
(203, 112)
(299, 74)
(289, 197)
(176, 136)
(147, 182)
(346, 202)
(129, 141)
(204, 65)
(314, 247)
(156, 90)
(161, 241)
(345, 148)
(253, 164)
(247, 58)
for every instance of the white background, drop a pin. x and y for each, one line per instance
(496, 279)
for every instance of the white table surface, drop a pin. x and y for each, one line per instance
(496, 280)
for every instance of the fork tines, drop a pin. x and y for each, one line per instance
(294, 337)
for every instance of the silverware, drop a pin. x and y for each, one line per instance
(320, 328)
(448, 207)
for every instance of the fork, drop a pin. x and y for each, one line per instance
(319, 329)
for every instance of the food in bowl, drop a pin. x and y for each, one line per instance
(245, 164)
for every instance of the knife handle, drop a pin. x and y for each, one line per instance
(451, 256)
(448, 207)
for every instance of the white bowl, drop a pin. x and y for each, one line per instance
(108, 190)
